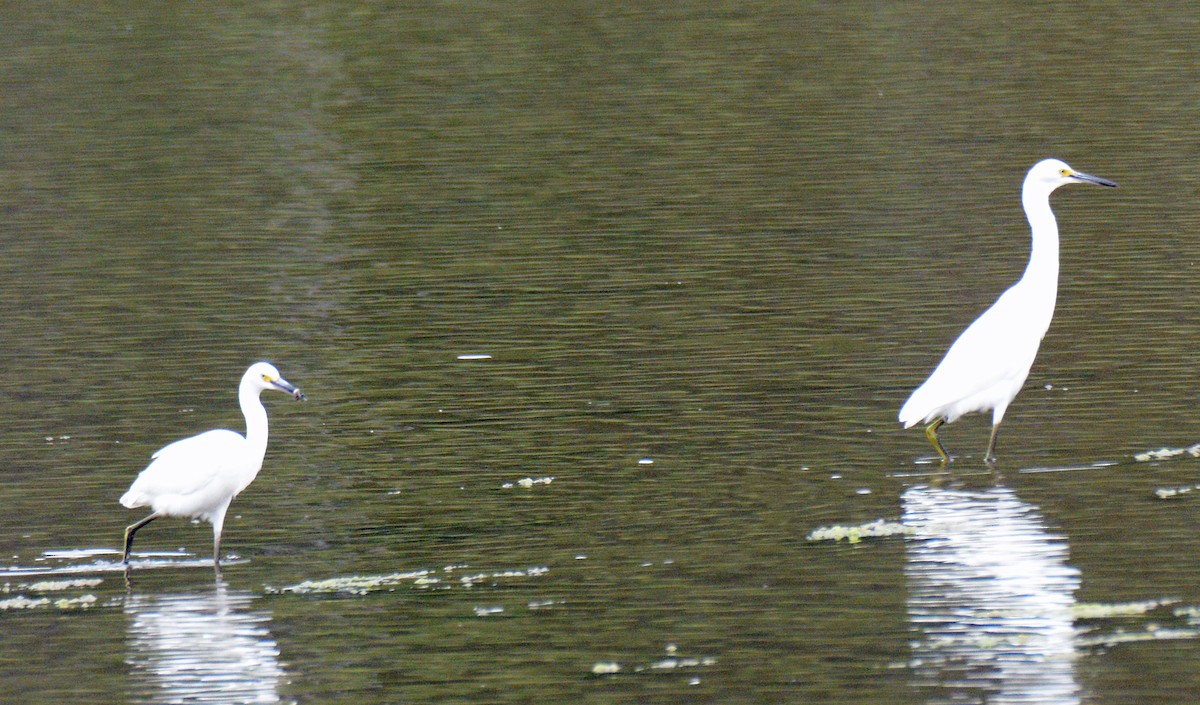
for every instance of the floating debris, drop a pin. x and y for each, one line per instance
(359, 584)
(853, 534)
(23, 602)
(1165, 453)
(528, 482)
(1173, 492)
(475, 356)
(605, 668)
(1109, 610)
(420, 579)
(670, 663)
(60, 585)
(488, 611)
(1151, 633)
(470, 581)
(20, 602)
(53, 585)
(82, 602)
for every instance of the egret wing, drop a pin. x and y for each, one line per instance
(991, 357)
(189, 468)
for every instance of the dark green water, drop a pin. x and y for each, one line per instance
(695, 257)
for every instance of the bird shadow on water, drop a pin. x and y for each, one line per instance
(203, 643)
(201, 646)
(989, 595)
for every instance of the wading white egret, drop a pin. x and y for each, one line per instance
(989, 362)
(198, 477)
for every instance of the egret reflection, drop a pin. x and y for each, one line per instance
(202, 647)
(989, 598)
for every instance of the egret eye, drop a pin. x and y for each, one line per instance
(266, 378)
(1064, 172)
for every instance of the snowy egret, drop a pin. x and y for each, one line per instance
(198, 477)
(985, 368)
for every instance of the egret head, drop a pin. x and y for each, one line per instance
(263, 376)
(1049, 174)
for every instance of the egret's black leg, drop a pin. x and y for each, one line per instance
(131, 530)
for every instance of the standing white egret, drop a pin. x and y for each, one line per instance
(198, 477)
(989, 362)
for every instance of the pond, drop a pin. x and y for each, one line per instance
(604, 313)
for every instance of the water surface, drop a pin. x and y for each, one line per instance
(679, 265)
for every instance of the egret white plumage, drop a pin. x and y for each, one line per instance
(986, 367)
(198, 477)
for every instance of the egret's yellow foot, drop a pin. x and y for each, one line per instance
(990, 455)
(931, 433)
